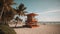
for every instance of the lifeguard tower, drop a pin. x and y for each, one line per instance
(31, 20)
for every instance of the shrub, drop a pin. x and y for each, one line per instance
(4, 29)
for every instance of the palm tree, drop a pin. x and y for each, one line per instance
(21, 10)
(6, 11)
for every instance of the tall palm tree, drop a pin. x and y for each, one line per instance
(6, 11)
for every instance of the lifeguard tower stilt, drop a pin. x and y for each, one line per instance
(31, 20)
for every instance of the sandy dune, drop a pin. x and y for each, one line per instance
(42, 29)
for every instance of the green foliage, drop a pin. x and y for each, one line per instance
(4, 29)
(21, 10)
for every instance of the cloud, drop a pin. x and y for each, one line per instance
(53, 15)
(52, 11)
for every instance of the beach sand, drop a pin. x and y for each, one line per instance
(42, 29)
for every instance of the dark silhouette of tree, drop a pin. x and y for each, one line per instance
(6, 14)
(6, 11)
(21, 10)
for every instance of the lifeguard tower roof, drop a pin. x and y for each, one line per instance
(32, 14)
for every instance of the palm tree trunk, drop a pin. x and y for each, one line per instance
(3, 19)
(1, 14)
(2, 11)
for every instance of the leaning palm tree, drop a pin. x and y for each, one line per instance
(21, 12)
(6, 11)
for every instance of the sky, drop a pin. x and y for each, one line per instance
(47, 10)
